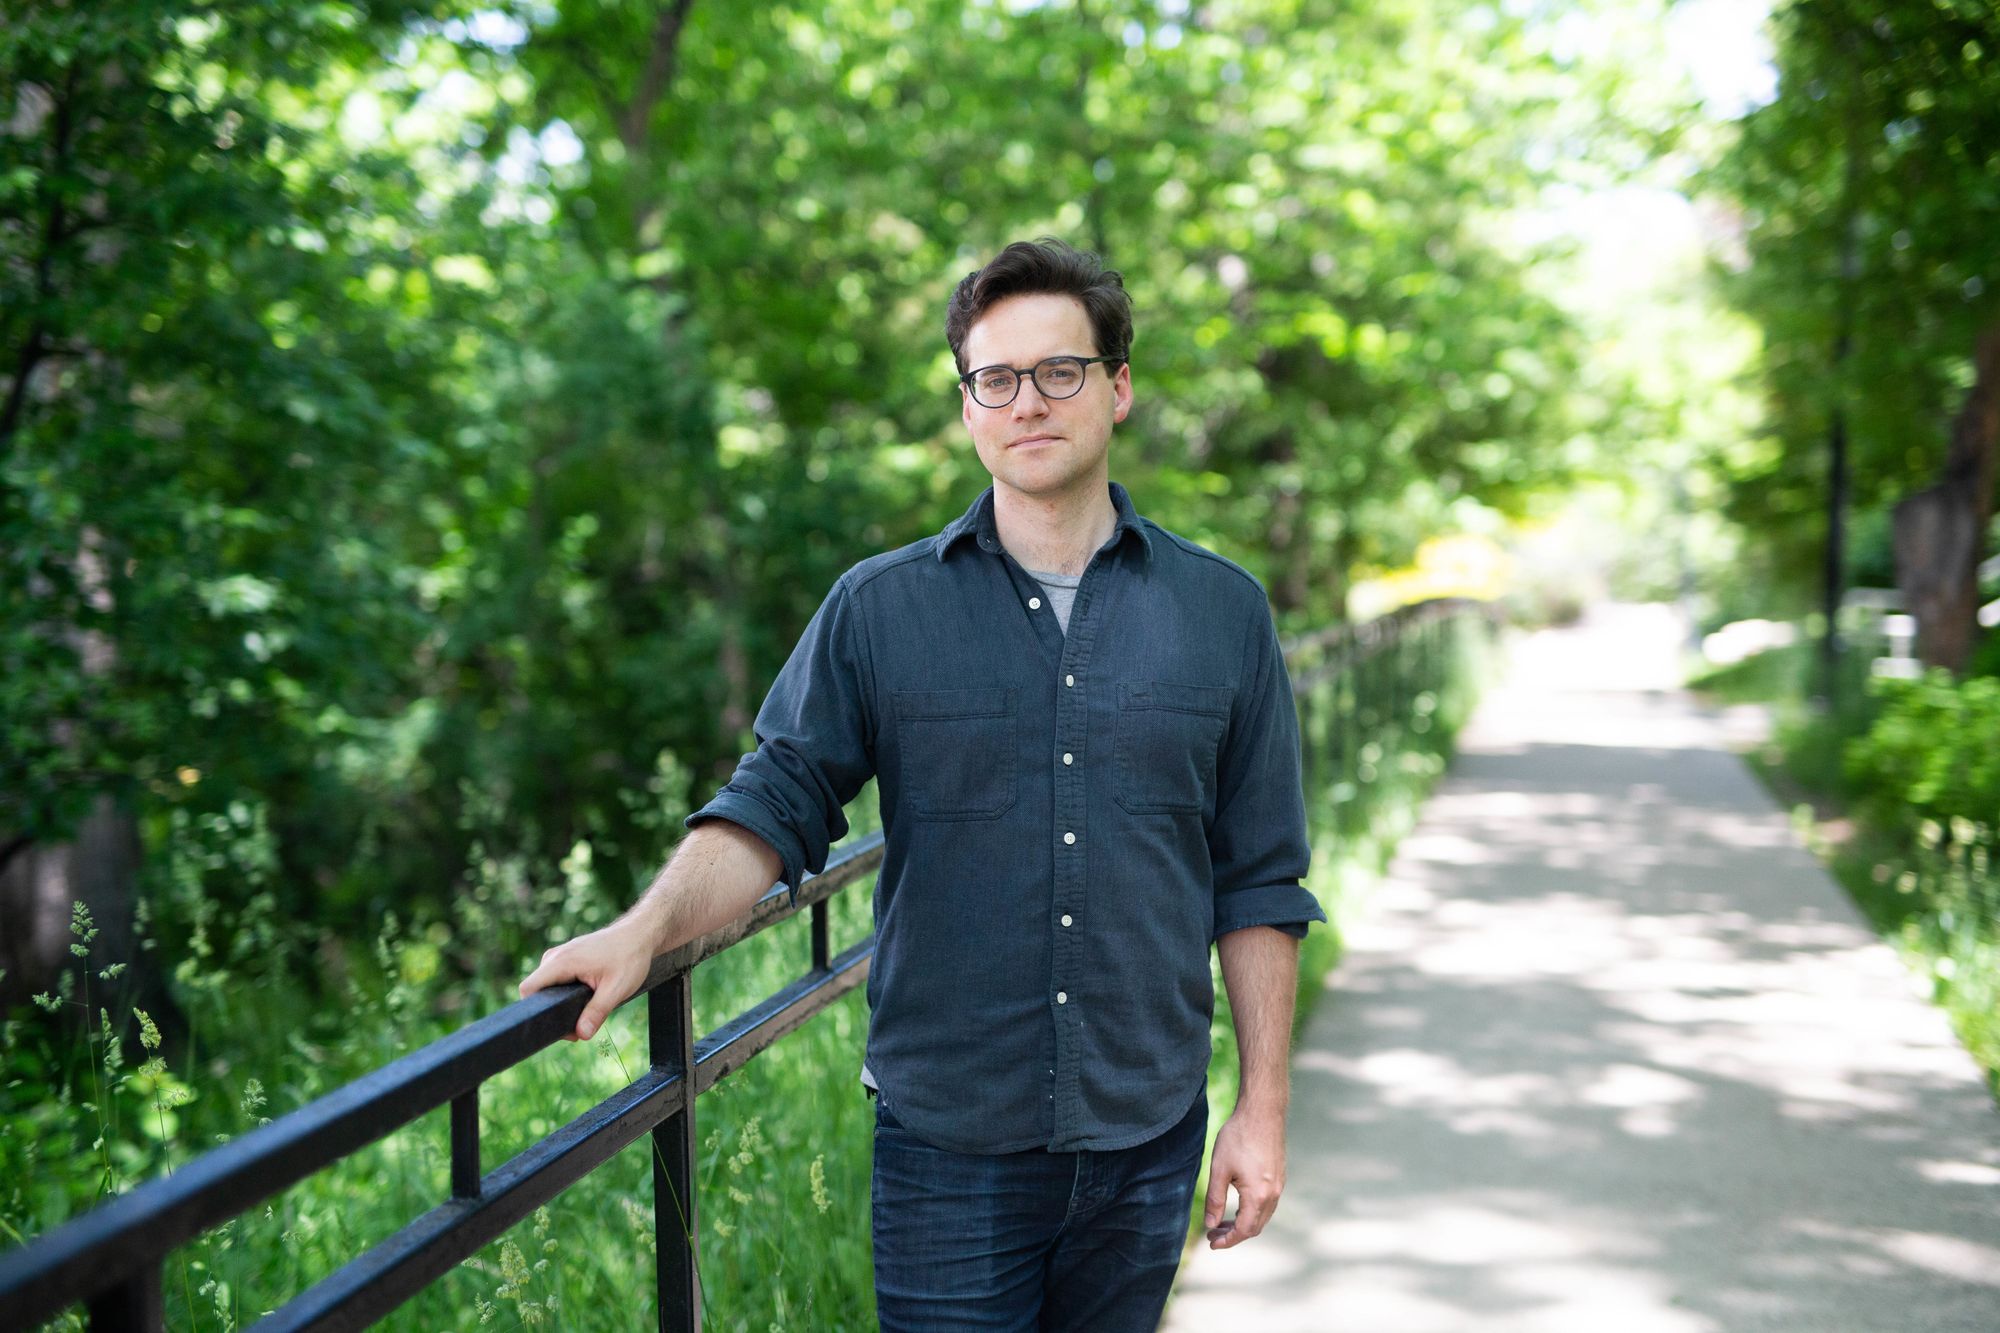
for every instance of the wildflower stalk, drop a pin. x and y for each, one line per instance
(155, 1070)
(84, 928)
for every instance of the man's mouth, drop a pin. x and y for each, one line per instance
(1034, 439)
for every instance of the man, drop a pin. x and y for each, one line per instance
(1088, 763)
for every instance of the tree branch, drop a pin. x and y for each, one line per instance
(657, 76)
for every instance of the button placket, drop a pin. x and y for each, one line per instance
(1072, 727)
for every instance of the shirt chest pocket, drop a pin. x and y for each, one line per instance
(1168, 736)
(959, 751)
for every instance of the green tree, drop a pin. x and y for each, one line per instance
(221, 393)
(1869, 204)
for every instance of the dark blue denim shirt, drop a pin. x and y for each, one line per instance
(1069, 820)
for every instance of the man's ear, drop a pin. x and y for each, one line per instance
(1121, 393)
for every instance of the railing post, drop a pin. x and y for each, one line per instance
(133, 1306)
(670, 1040)
(465, 1145)
(822, 949)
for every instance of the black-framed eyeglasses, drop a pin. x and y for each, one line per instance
(1054, 377)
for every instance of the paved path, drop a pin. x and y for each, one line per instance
(1611, 1053)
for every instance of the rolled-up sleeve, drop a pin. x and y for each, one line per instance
(1258, 845)
(815, 746)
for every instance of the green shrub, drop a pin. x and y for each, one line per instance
(1927, 774)
(1932, 755)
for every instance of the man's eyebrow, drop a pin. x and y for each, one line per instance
(1080, 356)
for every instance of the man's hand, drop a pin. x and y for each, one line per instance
(1249, 1155)
(613, 962)
(715, 875)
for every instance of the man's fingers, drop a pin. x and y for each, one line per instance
(1253, 1210)
(611, 988)
(592, 1018)
(1219, 1176)
(1254, 1213)
(548, 972)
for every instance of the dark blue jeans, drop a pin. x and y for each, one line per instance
(1033, 1240)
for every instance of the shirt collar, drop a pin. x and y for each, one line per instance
(977, 522)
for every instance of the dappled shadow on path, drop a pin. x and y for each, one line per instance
(1611, 1052)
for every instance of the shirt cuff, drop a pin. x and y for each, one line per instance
(742, 810)
(1287, 906)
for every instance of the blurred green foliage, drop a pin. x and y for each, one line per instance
(429, 425)
(1868, 195)
(1929, 766)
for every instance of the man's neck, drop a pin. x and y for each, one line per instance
(1056, 534)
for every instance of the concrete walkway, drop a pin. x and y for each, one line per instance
(1612, 1053)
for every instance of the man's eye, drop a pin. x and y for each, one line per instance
(1061, 376)
(997, 381)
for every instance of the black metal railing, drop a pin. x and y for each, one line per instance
(111, 1258)
(1367, 690)
(1349, 680)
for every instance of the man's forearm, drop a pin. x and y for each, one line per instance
(716, 875)
(1260, 970)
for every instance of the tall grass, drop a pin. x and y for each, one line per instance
(95, 1101)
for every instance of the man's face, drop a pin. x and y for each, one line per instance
(1040, 446)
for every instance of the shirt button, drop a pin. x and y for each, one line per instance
(1034, 603)
(1069, 837)
(1068, 758)
(1065, 918)
(1062, 997)
(1069, 680)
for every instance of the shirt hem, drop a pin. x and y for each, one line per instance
(1112, 1144)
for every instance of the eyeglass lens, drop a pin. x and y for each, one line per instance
(1057, 377)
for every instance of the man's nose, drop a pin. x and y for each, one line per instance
(1028, 400)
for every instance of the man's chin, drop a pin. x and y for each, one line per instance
(1038, 485)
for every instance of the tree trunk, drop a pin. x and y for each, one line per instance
(40, 883)
(99, 863)
(1940, 532)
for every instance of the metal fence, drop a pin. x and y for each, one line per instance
(111, 1258)
(1372, 692)
(1350, 681)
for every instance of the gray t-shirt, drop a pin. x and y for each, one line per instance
(1061, 589)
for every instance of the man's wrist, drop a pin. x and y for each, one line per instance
(1264, 1104)
(645, 923)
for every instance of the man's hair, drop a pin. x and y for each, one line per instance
(1047, 267)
